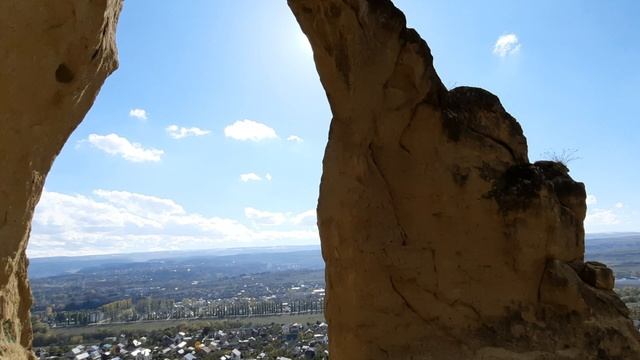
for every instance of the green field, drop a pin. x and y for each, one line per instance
(164, 324)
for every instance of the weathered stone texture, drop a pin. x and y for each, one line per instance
(54, 56)
(441, 240)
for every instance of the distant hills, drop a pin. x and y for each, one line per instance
(621, 251)
(612, 248)
(259, 259)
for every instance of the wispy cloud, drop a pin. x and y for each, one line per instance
(307, 217)
(140, 114)
(599, 217)
(250, 177)
(615, 218)
(115, 144)
(295, 138)
(265, 217)
(109, 221)
(249, 130)
(506, 45)
(274, 218)
(179, 132)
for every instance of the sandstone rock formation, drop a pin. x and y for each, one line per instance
(442, 240)
(54, 56)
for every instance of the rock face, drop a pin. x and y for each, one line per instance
(442, 240)
(54, 57)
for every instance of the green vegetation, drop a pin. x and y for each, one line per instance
(46, 336)
(631, 297)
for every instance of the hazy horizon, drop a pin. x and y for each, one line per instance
(258, 249)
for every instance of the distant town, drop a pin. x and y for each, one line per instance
(228, 341)
(242, 306)
(252, 298)
(182, 288)
(201, 307)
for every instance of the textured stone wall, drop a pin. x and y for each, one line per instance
(441, 240)
(54, 56)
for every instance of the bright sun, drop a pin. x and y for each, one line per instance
(303, 42)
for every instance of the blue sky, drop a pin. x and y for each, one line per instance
(211, 132)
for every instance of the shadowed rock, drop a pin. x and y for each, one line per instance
(54, 57)
(441, 240)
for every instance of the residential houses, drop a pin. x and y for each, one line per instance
(267, 342)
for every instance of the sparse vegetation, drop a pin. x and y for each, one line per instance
(564, 157)
(631, 297)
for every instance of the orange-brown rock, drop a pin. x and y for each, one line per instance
(598, 275)
(54, 56)
(441, 240)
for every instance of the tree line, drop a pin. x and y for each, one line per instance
(128, 310)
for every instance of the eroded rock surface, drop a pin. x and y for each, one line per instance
(441, 240)
(54, 56)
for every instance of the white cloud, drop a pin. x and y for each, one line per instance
(616, 218)
(254, 177)
(295, 138)
(305, 218)
(250, 177)
(114, 144)
(140, 114)
(145, 205)
(249, 130)
(178, 132)
(119, 222)
(599, 217)
(270, 218)
(506, 45)
(265, 217)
